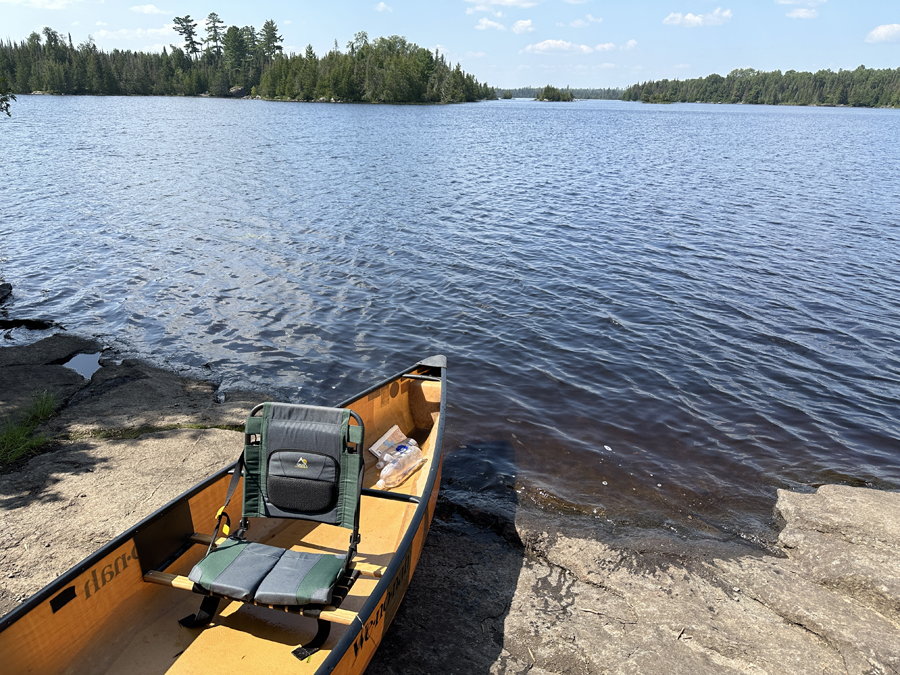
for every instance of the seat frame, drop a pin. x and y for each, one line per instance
(325, 614)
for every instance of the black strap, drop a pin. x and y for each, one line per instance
(232, 486)
(235, 477)
(305, 651)
(204, 615)
(210, 604)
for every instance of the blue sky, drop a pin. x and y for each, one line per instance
(511, 43)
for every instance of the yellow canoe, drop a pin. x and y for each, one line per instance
(118, 610)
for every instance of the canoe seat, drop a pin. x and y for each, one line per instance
(300, 462)
(251, 572)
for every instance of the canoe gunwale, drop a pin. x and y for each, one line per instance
(352, 633)
(66, 577)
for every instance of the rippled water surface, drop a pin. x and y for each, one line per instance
(657, 311)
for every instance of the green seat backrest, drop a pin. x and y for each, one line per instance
(298, 463)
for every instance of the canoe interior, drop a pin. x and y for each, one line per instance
(105, 618)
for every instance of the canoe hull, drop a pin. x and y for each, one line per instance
(369, 632)
(101, 616)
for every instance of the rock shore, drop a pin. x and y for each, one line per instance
(123, 443)
(513, 591)
(500, 587)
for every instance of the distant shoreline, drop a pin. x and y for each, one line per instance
(431, 103)
(860, 88)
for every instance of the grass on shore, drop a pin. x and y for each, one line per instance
(17, 439)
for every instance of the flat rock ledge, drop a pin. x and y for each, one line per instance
(500, 587)
(516, 591)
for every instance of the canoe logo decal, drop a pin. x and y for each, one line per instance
(387, 608)
(100, 576)
(301, 464)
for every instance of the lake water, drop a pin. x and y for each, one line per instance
(658, 314)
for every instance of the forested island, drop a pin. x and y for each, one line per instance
(609, 94)
(551, 93)
(239, 61)
(863, 87)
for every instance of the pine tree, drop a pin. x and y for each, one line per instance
(235, 51)
(187, 28)
(270, 39)
(214, 35)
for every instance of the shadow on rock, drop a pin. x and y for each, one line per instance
(33, 480)
(452, 618)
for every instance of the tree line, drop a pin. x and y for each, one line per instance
(863, 87)
(609, 94)
(227, 60)
(551, 93)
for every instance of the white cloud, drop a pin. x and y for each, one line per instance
(548, 46)
(606, 47)
(885, 33)
(287, 22)
(148, 9)
(582, 23)
(486, 23)
(102, 23)
(490, 6)
(631, 44)
(382, 7)
(522, 26)
(445, 52)
(689, 20)
(42, 4)
(480, 4)
(802, 13)
(807, 3)
(133, 33)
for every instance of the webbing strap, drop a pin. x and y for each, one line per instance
(235, 477)
(232, 486)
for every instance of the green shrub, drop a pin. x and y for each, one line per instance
(17, 439)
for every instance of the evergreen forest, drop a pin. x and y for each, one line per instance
(863, 87)
(239, 61)
(551, 93)
(610, 94)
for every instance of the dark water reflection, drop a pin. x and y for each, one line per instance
(668, 311)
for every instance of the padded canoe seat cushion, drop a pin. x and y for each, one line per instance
(251, 572)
